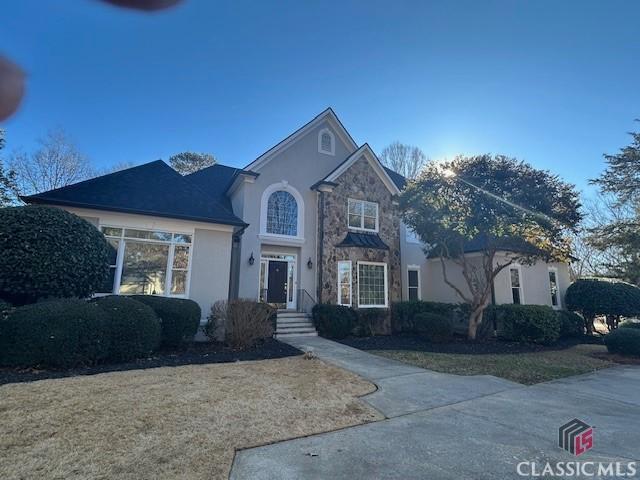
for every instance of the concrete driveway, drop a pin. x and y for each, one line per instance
(443, 426)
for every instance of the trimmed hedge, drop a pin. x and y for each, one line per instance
(134, 328)
(403, 316)
(49, 253)
(334, 321)
(527, 323)
(624, 341)
(630, 324)
(571, 324)
(180, 318)
(59, 333)
(598, 296)
(433, 327)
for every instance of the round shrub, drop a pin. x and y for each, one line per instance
(527, 323)
(5, 307)
(624, 341)
(433, 327)
(571, 324)
(180, 318)
(58, 333)
(134, 328)
(49, 253)
(630, 324)
(334, 321)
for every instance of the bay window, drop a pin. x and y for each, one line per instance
(147, 262)
(372, 285)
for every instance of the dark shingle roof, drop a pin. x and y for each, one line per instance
(364, 240)
(398, 179)
(504, 244)
(215, 180)
(150, 189)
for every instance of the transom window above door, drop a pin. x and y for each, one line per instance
(282, 214)
(363, 215)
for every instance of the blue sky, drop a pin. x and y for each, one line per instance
(552, 82)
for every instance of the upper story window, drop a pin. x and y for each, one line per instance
(326, 142)
(363, 215)
(282, 214)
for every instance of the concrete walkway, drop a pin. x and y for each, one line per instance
(443, 426)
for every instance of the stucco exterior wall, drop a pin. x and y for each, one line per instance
(434, 287)
(300, 165)
(412, 254)
(210, 256)
(359, 182)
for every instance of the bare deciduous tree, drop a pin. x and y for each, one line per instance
(56, 163)
(407, 160)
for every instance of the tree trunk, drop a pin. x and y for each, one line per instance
(475, 319)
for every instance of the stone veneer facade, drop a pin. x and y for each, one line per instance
(359, 182)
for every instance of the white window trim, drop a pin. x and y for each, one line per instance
(350, 284)
(518, 267)
(559, 305)
(386, 285)
(333, 142)
(120, 258)
(417, 269)
(361, 228)
(264, 203)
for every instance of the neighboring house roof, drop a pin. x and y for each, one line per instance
(384, 173)
(327, 114)
(398, 179)
(216, 180)
(150, 189)
(365, 240)
(504, 244)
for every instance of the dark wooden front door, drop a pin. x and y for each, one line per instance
(277, 289)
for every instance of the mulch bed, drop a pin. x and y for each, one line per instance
(458, 345)
(195, 353)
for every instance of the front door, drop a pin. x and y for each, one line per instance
(277, 287)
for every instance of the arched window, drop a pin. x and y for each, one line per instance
(282, 214)
(326, 142)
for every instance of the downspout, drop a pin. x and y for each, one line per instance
(320, 245)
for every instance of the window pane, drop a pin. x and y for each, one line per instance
(112, 232)
(107, 286)
(413, 293)
(370, 223)
(144, 268)
(370, 209)
(413, 278)
(282, 214)
(371, 284)
(263, 280)
(113, 250)
(345, 294)
(355, 207)
(355, 221)
(181, 238)
(515, 278)
(147, 235)
(178, 282)
(553, 285)
(181, 256)
(515, 292)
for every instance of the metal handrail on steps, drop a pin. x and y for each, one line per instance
(305, 302)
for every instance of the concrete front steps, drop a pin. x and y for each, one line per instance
(294, 324)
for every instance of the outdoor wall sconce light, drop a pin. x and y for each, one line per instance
(251, 259)
(309, 264)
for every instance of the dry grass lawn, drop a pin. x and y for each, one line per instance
(181, 422)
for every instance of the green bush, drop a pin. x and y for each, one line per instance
(404, 313)
(180, 318)
(625, 341)
(58, 333)
(630, 324)
(371, 321)
(334, 321)
(592, 297)
(571, 324)
(49, 253)
(5, 308)
(134, 328)
(433, 327)
(527, 323)
(243, 322)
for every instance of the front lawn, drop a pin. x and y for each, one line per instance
(172, 422)
(524, 364)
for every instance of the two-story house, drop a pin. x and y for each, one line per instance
(313, 219)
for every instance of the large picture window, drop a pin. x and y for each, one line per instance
(147, 262)
(282, 214)
(363, 215)
(372, 284)
(344, 283)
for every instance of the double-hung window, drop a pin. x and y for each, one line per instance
(413, 282)
(363, 215)
(515, 280)
(344, 283)
(553, 287)
(147, 262)
(372, 285)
